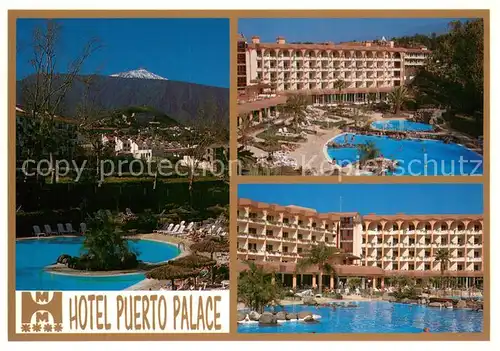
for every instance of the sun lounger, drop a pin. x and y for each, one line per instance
(37, 231)
(165, 227)
(190, 226)
(69, 228)
(48, 230)
(169, 228)
(173, 231)
(83, 228)
(180, 230)
(60, 229)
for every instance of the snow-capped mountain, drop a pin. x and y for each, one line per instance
(138, 73)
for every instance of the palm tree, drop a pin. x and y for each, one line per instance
(398, 96)
(443, 256)
(339, 84)
(295, 107)
(246, 158)
(321, 256)
(256, 288)
(368, 151)
(243, 131)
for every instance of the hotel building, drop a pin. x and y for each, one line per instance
(374, 247)
(369, 70)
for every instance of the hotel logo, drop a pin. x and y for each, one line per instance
(41, 312)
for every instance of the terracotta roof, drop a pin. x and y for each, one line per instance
(260, 104)
(332, 46)
(357, 271)
(430, 217)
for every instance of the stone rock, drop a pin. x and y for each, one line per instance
(310, 319)
(405, 301)
(304, 314)
(254, 316)
(281, 316)
(385, 296)
(435, 304)
(423, 301)
(391, 299)
(351, 305)
(448, 304)
(241, 316)
(461, 304)
(268, 319)
(309, 301)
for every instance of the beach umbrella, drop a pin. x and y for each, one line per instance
(194, 261)
(210, 246)
(171, 272)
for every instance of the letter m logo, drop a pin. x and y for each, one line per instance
(42, 307)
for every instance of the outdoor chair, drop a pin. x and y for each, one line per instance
(48, 230)
(69, 228)
(60, 229)
(83, 228)
(37, 231)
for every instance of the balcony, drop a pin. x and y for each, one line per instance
(272, 238)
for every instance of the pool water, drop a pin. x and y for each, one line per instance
(376, 317)
(401, 125)
(416, 156)
(34, 254)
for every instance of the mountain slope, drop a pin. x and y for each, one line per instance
(179, 100)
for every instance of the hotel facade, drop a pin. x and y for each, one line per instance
(374, 247)
(369, 70)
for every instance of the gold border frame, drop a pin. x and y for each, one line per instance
(233, 16)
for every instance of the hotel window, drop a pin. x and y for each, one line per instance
(364, 240)
(461, 227)
(253, 215)
(477, 267)
(269, 232)
(299, 250)
(285, 248)
(427, 267)
(252, 246)
(395, 266)
(427, 227)
(313, 238)
(412, 241)
(300, 222)
(259, 75)
(364, 227)
(444, 227)
(326, 240)
(395, 227)
(286, 220)
(411, 227)
(476, 254)
(379, 265)
(314, 224)
(460, 267)
(269, 247)
(285, 235)
(259, 64)
(326, 226)
(411, 267)
(395, 241)
(379, 227)
(299, 236)
(270, 218)
(477, 228)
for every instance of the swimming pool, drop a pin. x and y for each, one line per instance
(415, 156)
(34, 254)
(401, 125)
(376, 317)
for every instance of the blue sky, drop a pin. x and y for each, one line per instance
(190, 50)
(338, 29)
(372, 198)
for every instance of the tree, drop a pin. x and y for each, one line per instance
(453, 76)
(243, 131)
(320, 256)
(209, 130)
(295, 107)
(246, 158)
(368, 151)
(443, 256)
(397, 97)
(359, 118)
(256, 287)
(340, 85)
(44, 91)
(105, 245)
